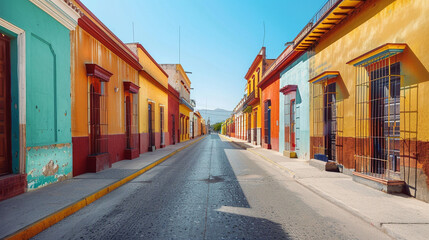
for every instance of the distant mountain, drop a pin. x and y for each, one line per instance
(217, 115)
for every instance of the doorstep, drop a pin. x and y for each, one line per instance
(290, 154)
(98, 162)
(328, 166)
(131, 153)
(385, 185)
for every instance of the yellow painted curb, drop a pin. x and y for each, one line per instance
(46, 222)
(292, 173)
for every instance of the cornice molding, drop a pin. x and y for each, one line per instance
(131, 87)
(151, 79)
(61, 10)
(97, 71)
(89, 26)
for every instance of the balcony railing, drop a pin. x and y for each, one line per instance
(320, 15)
(250, 98)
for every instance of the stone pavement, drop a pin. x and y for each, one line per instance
(399, 215)
(26, 209)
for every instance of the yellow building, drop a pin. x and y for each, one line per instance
(253, 98)
(369, 79)
(153, 101)
(179, 80)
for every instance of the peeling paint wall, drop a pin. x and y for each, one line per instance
(48, 164)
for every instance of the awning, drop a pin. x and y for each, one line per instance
(324, 76)
(379, 53)
(330, 15)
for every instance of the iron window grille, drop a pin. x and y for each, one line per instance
(151, 126)
(325, 116)
(161, 117)
(98, 117)
(386, 119)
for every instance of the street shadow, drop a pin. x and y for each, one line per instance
(226, 192)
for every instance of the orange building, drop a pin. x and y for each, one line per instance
(104, 87)
(270, 86)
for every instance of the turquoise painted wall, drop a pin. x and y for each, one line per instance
(48, 123)
(297, 74)
(47, 165)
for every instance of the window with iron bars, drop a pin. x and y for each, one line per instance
(151, 125)
(324, 120)
(161, 117)
(97, 121)
(131, 120)
(379, 116)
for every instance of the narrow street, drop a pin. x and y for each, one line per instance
(212, 190)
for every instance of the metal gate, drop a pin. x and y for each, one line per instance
(380, 112)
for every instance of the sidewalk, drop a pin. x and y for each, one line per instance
(34, 211)
(399, 215)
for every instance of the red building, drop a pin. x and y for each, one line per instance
(173, 115)
(270, 100)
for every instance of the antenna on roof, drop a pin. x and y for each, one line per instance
(179, 44)
(263, 40)
(133, 31)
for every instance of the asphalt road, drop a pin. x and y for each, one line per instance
(212, 190)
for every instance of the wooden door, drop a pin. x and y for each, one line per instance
(292, 125)
(5, 156)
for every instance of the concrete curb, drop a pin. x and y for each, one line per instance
(321, 194)
(46, 222)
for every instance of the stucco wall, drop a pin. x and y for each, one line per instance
(297, 74)
(47, 91)
(374, 24)
(271, 92)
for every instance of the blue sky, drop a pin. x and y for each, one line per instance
(219, 39)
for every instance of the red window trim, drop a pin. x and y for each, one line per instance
(288, 88)
(131, 87)
(97, 71)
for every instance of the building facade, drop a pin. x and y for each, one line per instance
(294, 98)
(104, 96)
(179, 80)
(173, 115)
(368, 75)
(240, 120)
(253, 98)
(153, 102)
(36, 144)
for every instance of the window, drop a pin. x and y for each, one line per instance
(131, 120)
(324, 146)
(161, 118)
(291, 117)
(97, 117)
(378, 109)
(151, 125)
(173, 130)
